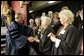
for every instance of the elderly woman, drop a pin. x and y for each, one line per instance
(37, 21)
(31, 21)
(38, 25)
(50, 14)
(45, 44)
(65, 39)
(43, 15)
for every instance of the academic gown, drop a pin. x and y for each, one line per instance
(16, 38)
(67, 45)
(45, 44)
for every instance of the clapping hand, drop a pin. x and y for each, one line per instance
(52, 36)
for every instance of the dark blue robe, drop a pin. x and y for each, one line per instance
(16, 37)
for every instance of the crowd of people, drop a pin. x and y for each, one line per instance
(59, 33)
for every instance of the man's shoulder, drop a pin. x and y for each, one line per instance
(12, 26)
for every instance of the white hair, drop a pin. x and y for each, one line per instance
(31, 20)
(38, 19)
(43, 13)
(65, 8)
(68, 14)
(47, 20)
(50, 12)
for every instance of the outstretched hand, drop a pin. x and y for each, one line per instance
(31, 39)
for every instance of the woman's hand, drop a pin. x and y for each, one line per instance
(52, 37)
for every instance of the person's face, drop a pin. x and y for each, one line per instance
(63, 19)
(43, 24)
(31, 22)
(37, 22)
(43, 14)
(18, 18)
(50, 13)
(55, 16)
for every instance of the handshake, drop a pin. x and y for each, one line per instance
(33, 39)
